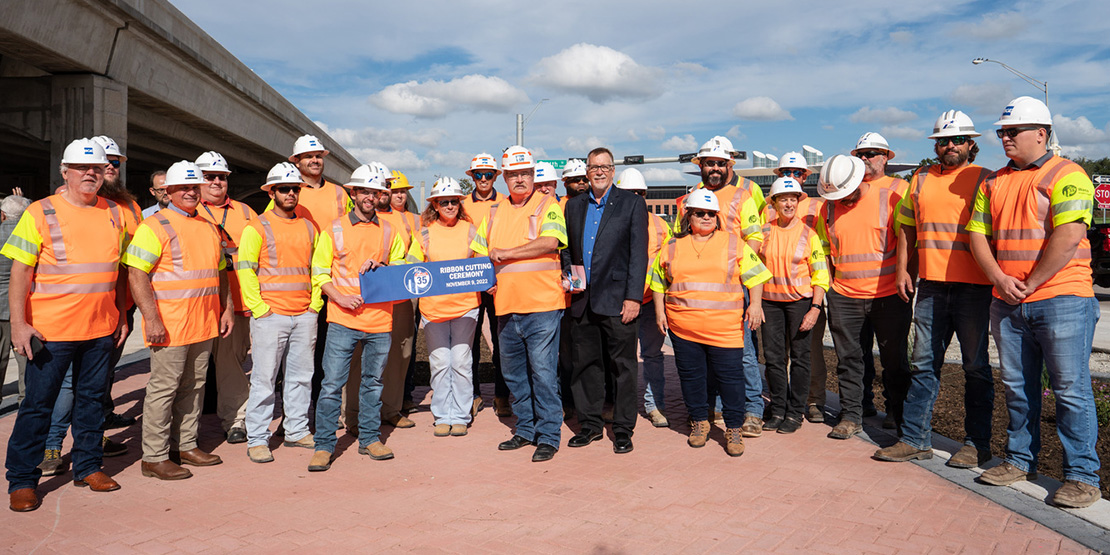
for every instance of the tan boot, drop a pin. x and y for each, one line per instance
(735, 442)
(400, 421)
(377, 451)
(458, 429)
(902, 452)
(476, 407)
(442, 430)
(260, 454)
(699, 433)
(657, 419)
(753, 426)
(306, 442)
(321, 461)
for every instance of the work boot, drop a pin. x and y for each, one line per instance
(717, 418)
(657, 419)
(409, 407)
(400, 421)
(1005, 474)
(902, 452)
(112, 449)
(52, 463)
(502, 407)
(477, 407)
(1075, 495)
(815, 414)
(458, 430)
(306, 442)
(969, 457)
(260, 454)
(753, 426)
(734, 438)
(699, 433)
(442, 430)
(377, 451)
(845, 429)
(320, 461)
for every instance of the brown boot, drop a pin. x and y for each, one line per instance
(98, 481)
(699, 433)
(969, 457)
(442, 430)
(196, 457)
(902, 452)
(753, 426)
(377, 451)
(502, 407)
(165, 470)
(734, 438)
(24, 500)
(321, 461)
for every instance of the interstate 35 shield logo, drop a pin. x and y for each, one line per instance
(418, 280)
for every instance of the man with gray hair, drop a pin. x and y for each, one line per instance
(11, 208)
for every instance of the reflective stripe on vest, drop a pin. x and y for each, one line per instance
(792, 286)
(179, 273)
(62, 266)
(424, 239)
(267, 274)
(343, 279)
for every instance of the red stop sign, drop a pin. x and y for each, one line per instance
(1102, 195)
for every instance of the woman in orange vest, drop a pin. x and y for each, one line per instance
(793, 253)
(698, 288)
(448, 320)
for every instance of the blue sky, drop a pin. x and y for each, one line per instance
(423, 87)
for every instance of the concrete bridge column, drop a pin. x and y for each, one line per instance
(85, 105)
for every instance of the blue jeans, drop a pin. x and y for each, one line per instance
(1055, 334)
(753, 374)
(651, 350)
(62, 414)
(700, 365)
(529, 359)
(941, 310)
(44, 377)
(339, 349)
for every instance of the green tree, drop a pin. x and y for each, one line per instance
(1094, 167)
(467, 185)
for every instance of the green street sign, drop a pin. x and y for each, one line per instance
(557, 164)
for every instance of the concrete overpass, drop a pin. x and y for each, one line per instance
(142, 73)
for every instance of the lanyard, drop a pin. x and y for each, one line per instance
(226, 236)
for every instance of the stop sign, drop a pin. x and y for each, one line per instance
(1102, 195)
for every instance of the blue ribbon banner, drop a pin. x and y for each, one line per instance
(427, 279)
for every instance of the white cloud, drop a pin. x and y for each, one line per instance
(735, 133)
(665, 175)
(580, 146)
(690, 68)
(685, 143)
(598, 73)
(450, 159)
(889, 115)
(655, 133)
(760, 108)
(903, 37)
(631, 135)
(434, 99)
(1077, 131)
(387, 138)
(983, 98)
(901, 132)
(403, 159)
(993, 26)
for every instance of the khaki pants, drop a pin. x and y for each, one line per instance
(232, 385)
(173, 399)
(396, 366)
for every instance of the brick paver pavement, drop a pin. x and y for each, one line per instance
(788, 493)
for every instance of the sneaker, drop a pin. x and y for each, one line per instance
(734, 442)
(657, 419)
(52, 463)
(260, 454)
(320, 461)
(815, 414)
(902, 452)
(502, 407)
(789, 425)
(969, 457)
(753, 426)
(458, 430)
(845, 429)
(1005, 474)
(112, 449)
(377, 451)
(306, 442)
(442, 430)
(1075, 495)
(699, 433)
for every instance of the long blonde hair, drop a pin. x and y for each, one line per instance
(431, 213)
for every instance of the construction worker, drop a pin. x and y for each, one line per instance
(793, 165)
(575, 181)
(449, 320)
(522, 236)
(230, 217)
(399, 196)
(483, 170)
(158, 191)
(177, 276)
(953, 294)
(350, 246)
(741, 202)
(547, 180)
(857, 227)
(696, 286)
(651, 339)
(274, 263)
(1028, 232)
(66, 296)
(792, 303)
(875, 152)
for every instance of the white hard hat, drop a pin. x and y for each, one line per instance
(184, 173)
(367, 177)
(212, 161)
(702, 199)
(631, 179)
(110, 146)
(953, 123)
(383, 170)
(446, 187)
(873, 141)
(717, 147)
(840, 176)
(517, 157)
(84, 151)
(574, 168)
(1025, 110)
(307, 143)
(786, 185)
(485, 162)
(282, 173)
(794, 161)
(545, 172)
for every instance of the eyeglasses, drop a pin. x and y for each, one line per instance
(114, 163)
(449, 202)
(793, 173)
(574, 180)
(215, 177)
(703, 214)
(870, 154)
(483, 176)
(957, 140)
(600, 167)
(713, 163)
(286, 189)
(1012, 132)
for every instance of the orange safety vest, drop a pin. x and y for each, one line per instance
(439, 242)
(1021, 218)
(354, 242)
(941, 211)
(322, 204)
(73, 289)
(785, 252)
(285, 266)
(705, 297)
(530, 285)
(731, 197)
(403, 222)
(186, 279)
(132, 217)
(230, 220)
(478, 210)
(898, 184)
(808, 210)
(657, 236)
(862, 244)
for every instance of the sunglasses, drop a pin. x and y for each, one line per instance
(703, 214)
(215, 177)
(1012, 132)
(870, 154)
(482, 176)
(957, 140)
(793, 173)
(287, 189)
(449, 202)
(574, 180)
(712, 163)
(114, 163)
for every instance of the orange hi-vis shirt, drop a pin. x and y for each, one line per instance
(862, 243)
(275, 265)
(341, 250)
(132, 215)
(534, 284)
(183, 256)
(740, 208)
(808, 210)
(406, 224)
(478, 210)
(1017, 209)
(437, 243)
(704, 287)
(938, 205)
(230, 219)
(796, 258)
(658, 235)
(75, 251)
(898, 184)
(322, 204)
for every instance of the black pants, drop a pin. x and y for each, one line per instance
(818, 373)
(867, 345)
(789, 391)
(597, 339)
(890, 317)
(499, 387)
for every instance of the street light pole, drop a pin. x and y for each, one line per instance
(521, 120)
(1053, 145)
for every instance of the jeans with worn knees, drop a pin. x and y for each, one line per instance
(651, 350)
(700, 365)
(450, 364)
(529, 359)
(1055, 334)
(338, 351)
(280, 341)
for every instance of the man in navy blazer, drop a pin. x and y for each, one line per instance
(607, 232)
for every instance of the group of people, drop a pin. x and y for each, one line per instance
(580, 280)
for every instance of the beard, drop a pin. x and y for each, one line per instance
(713, 178)
(113, 190)
(953, 158)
